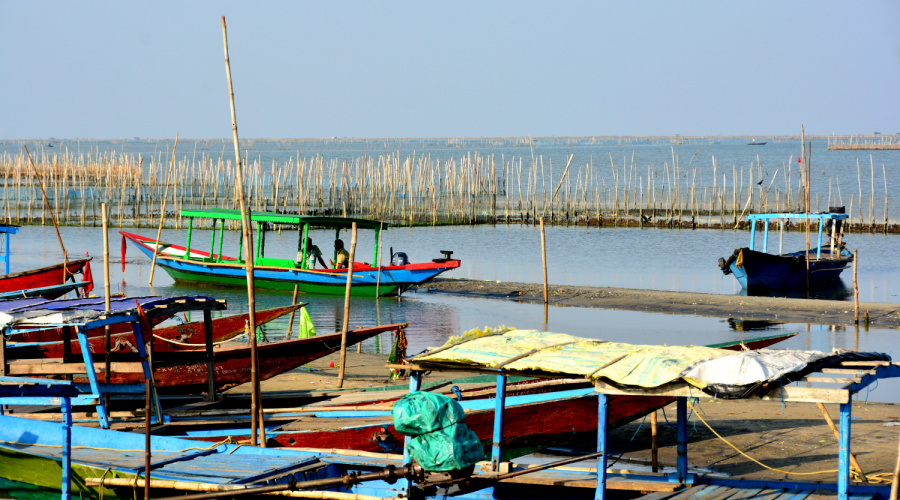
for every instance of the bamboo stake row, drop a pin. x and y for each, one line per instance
(421, 190)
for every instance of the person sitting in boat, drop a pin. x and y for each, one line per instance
(342, 256)
(312, 255)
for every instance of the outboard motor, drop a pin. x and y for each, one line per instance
(399, 259)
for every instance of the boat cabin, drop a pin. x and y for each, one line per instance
(265, 221)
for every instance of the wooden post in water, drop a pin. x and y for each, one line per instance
(255, 404)
(855, 292)
(162, 212)
(544, 260)
(290, 327)
(347, 307)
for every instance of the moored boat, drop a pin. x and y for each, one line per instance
(186, 264)
(45, 277)
(185, 372)
(762, 271)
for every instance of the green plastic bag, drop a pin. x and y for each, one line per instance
(306, 327)
(440, 439)
(450, 448)
(421, 412)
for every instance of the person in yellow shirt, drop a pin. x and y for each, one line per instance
(343, 256)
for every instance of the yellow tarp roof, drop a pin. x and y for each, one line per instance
(626, 364)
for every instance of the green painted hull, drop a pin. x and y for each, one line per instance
(47, 473)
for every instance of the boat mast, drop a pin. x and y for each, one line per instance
(255, 406)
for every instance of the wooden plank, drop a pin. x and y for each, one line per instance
(787, 393)
(850, 371)
(44, 368)
(833, 380)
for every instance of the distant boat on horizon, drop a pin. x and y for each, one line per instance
(754, 143)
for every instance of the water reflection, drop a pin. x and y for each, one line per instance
(744, 325)
(835, 290)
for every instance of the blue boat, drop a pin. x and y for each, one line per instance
(761, 271)
(186, 264)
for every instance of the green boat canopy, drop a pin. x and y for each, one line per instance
(291, 219)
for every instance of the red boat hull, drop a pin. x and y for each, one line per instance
(39, 278)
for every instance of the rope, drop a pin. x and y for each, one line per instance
(189, 345)
(872, 478)
(82, 447)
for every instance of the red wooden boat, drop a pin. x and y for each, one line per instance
(184, 372)
(524, 431)
(43, 277)
(184, 337)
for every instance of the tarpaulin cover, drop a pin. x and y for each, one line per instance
(626, 364)
(440, 439)
(717, 371)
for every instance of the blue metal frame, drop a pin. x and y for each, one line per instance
(764, 218)
(46, 392)
(499, 405)
(7, 230)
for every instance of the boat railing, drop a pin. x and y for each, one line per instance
(820, 219)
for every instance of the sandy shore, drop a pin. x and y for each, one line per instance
(702, 304)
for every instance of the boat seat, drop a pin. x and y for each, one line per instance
(269, 262)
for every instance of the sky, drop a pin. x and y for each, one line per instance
(316, 69)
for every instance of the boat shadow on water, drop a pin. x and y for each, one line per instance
(833, 290)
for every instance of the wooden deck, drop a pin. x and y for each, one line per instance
(729, 493)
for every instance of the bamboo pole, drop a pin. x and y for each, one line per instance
(255, 405)
(106, 298)
(654, 447)
(855, 291)
(162, 213)
(837, 435)
(346, 322)
(895, 480)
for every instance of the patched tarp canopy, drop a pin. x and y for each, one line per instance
(725, 372)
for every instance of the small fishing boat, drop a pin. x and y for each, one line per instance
(185, 372)
(754, 143)
(372, 430)
(182, 337)
(185, 264)
(760, 271)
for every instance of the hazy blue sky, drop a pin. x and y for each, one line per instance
(111, 69)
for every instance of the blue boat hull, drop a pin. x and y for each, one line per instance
(761, 271)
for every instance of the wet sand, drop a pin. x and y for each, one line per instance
(703, 304)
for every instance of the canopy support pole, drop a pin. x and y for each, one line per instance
(91, 372)
(602, 418)
(682, 460)
(499, 405)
